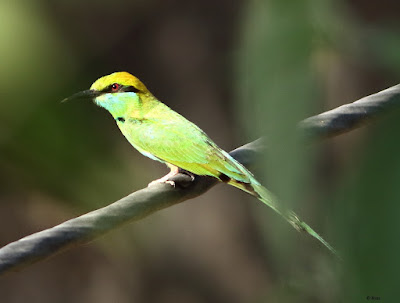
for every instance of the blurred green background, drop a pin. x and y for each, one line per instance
(239, 70)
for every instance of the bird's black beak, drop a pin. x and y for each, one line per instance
(86, 94)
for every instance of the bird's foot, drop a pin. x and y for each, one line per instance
(164, 179)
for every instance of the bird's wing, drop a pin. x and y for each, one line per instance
(183, 144)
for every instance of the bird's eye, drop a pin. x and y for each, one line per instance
(115, 87)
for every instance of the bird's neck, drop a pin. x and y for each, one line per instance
(127, 103)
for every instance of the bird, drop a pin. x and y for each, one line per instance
(162, 134)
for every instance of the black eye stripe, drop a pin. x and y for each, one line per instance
(108, 89)
(122, 88)
(130, 89)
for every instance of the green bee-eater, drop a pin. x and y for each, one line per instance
(162, 134)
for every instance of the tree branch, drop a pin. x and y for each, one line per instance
(353, 115)
(144, 202)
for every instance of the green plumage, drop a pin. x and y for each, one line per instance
(164, 135)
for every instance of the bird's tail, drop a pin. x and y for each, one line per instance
(260, 192)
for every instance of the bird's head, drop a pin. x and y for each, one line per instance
(118, 82)
(114, 92)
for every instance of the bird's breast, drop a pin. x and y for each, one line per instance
(138, 134)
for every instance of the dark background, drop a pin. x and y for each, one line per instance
(239, 70)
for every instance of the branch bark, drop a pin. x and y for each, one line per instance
(352, 115)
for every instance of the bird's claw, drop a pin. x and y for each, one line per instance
(172, 183)
(160, 181)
